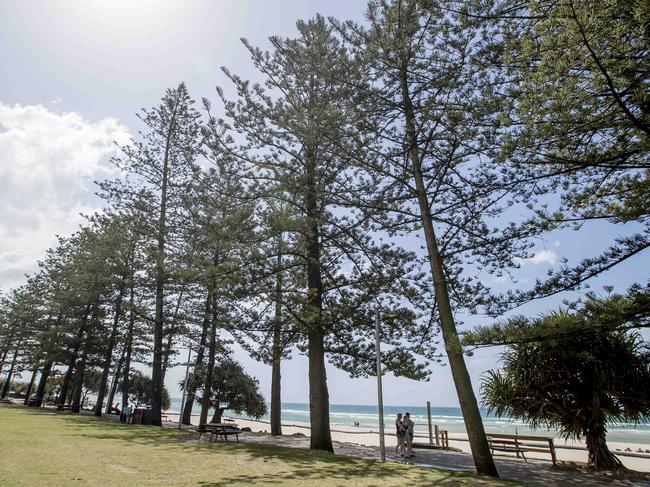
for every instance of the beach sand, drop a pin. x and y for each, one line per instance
(364, 436)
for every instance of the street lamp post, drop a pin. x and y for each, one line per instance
(380, 396)
(187, 373)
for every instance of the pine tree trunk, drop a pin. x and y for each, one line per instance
(5, 352)
(171, 334)
(79, 378)
(81, 366)
(191, 389)
(67, 378)
(207, 384)
(114, 383)
(63, 394)
(128, 343)
(156, 373)
(42, 382)
(7, 384)
(108, 355)
(321, 438)
(4, 357)
(30, 388)
(319, 418)
(276, 396)
(469, 406)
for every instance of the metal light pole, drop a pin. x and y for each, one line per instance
(380, 395)
(187, 372)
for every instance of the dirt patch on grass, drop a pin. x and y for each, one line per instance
(122, 469)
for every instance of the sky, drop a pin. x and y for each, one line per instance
(73, 73)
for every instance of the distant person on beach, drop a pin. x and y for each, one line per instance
(408, 426)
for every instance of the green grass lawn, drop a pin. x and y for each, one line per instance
(42, 448)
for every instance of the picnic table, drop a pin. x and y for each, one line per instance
(31, 402)
(60, 408)
(216, 430)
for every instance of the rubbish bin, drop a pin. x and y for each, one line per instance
(141, 416)
(146, 416)
(137, 416)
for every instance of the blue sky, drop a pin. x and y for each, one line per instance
(72, 75)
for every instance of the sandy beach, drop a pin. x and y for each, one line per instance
(565, 450)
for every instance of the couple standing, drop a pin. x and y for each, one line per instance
(404, 430)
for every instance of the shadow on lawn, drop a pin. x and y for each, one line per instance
(312, 465)
(302, 464)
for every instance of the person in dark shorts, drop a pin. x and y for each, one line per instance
(399, 432)
(408, 426)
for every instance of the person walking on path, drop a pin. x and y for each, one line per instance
(408, 426)
(400, 432)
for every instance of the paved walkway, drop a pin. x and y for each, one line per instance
(533, 472)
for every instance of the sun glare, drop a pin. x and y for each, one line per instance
(125, 23)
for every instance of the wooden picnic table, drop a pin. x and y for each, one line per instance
(216, 430)
(31, 402)
(60, 408)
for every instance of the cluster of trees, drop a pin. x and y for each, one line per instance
(287, 220)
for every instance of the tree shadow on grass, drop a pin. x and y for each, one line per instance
(301, 464)
(312, 465)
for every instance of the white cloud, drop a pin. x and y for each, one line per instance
(48, 164)
(541, 257)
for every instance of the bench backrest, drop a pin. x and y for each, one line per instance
(498, 436)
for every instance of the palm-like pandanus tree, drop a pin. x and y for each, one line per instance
(577, 372)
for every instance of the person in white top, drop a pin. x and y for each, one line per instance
(408, 425)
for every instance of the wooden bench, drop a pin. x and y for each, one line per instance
(522, 444)
(61, 408)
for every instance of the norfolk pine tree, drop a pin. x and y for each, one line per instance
(434, 172)
(576, 76)
(298, 140)
(160, 165)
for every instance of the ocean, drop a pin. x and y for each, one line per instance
(447, 418)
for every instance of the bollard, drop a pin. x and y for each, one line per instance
(430, 425)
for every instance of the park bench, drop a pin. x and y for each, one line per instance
(522, 444)
(61, 408)
(216, 430)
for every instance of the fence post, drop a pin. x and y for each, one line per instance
(430, 425)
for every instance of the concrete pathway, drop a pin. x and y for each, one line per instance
(533, 472)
